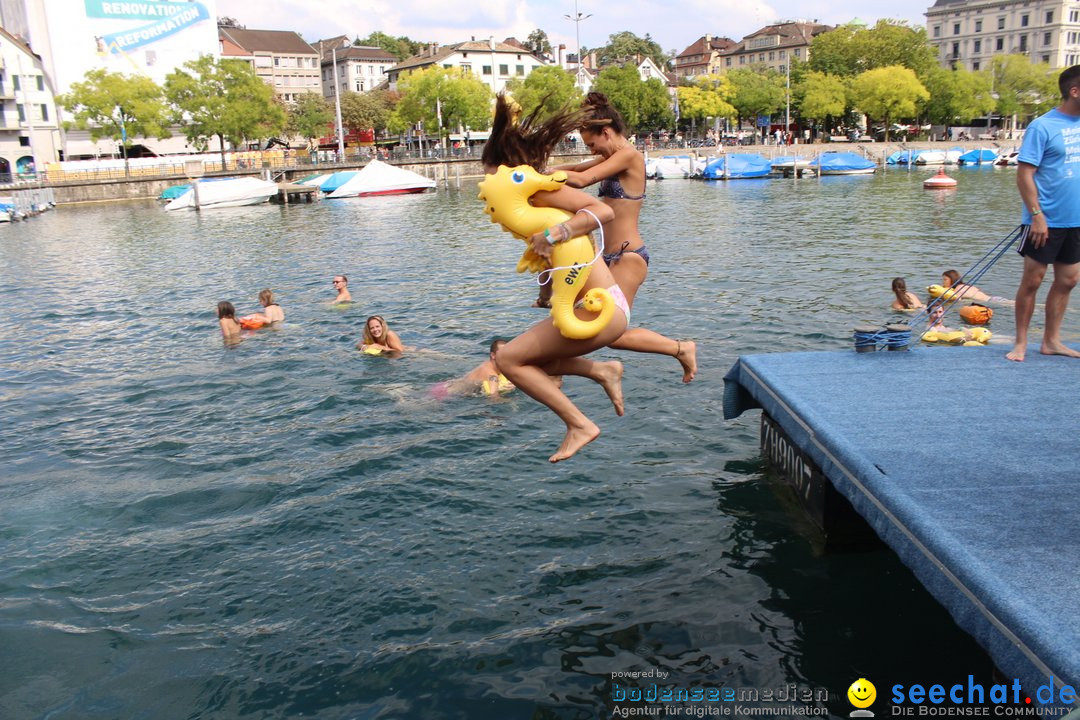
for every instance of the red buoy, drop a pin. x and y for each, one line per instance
(941, 181)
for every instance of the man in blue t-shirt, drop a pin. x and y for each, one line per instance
(1048, 177)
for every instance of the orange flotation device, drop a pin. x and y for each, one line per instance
(976, 314)
(251, 322)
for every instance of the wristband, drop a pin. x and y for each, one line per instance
(547, 236)
(1036, 212)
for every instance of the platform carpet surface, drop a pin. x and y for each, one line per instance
(966, 465)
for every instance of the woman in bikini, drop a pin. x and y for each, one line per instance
(620, 170)
(531, 359)
(271, 312)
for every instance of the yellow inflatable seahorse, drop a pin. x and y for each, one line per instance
(506, 199)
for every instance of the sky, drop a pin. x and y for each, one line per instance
(674, 25)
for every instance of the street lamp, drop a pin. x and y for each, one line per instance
(576, 18)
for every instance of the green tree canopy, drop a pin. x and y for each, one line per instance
(850, 50)
(538, 42)
(400, 47)
(550, 85)
(624, 45)
(957, 96)
(223, 99)
(757, 91)
(645, 105)
(1023, 88)
(463, 99)
(888, 93)
(819, 96)
(310, 117)
(360, 111)
(117, 106)
(708, 96)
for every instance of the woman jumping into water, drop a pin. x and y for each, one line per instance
(532, 358)
(620, 170)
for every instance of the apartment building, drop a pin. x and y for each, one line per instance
(968, 33)
(773, 46)
(703, 57)
(29, 129)
(359, 69)
(495, 63)
(281, 58)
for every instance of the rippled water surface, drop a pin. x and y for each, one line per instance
(289, 528)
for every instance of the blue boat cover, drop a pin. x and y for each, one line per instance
(984, 511)
(841, 161)
(738, 165)
(976, 157)
(336, 180)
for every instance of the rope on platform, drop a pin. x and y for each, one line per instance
(975, 272)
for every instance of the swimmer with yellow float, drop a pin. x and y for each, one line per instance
(513, 189)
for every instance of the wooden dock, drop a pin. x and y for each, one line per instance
(289, 193)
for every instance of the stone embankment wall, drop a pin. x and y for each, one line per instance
(450, 172)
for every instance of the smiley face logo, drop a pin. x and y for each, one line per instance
(862, 693)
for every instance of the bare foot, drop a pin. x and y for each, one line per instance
(1017, 353)
(687, 357)
(1057, 348)
(609, 375)
(576, 438)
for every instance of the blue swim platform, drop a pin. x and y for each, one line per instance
(965, 464)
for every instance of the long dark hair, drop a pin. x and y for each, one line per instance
(225, 309)
(954, 278)
(528, 141)
(600, 113)
(899, 287)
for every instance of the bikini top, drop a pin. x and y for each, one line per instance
(612, 188)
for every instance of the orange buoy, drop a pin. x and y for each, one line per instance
(251, 322)
(940, 181)
(976, 314)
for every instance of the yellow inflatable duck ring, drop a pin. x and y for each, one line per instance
(937, 291)
(506, 199)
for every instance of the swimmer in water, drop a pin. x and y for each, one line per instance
(904, 300)
(341, 284)
(379, 338)
(271, 312)
(230, 326)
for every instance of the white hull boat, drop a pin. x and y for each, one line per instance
(233, 192)
(379, 178)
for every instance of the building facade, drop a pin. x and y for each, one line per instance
(359, 69)
(969, 33)
(703, 57)
(281, 58)
(774, 46)
(492, 62)
(30, 136)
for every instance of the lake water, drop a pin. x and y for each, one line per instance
(290, 528)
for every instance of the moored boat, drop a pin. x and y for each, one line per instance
(229, 192)
(379, 178)
(843, 163)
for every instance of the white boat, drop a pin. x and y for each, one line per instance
(843, 163)
(939, 157)
(673, 167)
(1009, 158)
(379, 178)
(231, 192)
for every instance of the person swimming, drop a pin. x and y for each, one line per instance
(230, 326)
(904, 300)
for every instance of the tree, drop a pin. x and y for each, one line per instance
(1023, 88)
(119, 107)
(957, 95)
(757, 91)
(226, 21)
(550, 85)
(360, 111)
(309, 117)
(400, 47)
(820, 96)
(887, 93)
(645, 105)
(624, 45)
(850, 50)
(538, 42)
(706, 97)
(442, 98)
(223, 99)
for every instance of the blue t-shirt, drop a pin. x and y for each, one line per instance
(1052, 144)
